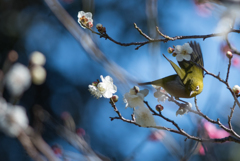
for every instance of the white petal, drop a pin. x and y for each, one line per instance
(157, 94)
(179, 57)
(181, 111)
(178, 49)
(80, 14)
(107, 94)
(102, 78)
(108, 78)
(88, 15)
(189, 50)
(144, 92)
(102, 87)
(186, 57)
(140, 95)
(114, 89)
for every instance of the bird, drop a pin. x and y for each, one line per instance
(188, 82)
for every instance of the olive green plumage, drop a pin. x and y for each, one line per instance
(188, 82)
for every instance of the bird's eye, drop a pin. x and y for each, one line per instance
(197, 88)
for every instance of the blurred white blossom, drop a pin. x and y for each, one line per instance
(135, 97)
(183, 52)
(105, 89)
(38, 74)
(3, 106)
(18, 79)
(160, 94)
(85, 19)
(143, 116)
(14, 121)
(37, 58)
(184, 108)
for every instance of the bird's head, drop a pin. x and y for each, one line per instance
(195, 87)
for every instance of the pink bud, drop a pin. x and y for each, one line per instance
(170, 50)
(115, 98)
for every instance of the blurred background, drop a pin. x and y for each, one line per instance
(27, 26)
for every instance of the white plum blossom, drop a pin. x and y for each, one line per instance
(105, 89)
(143, 116)
(160, 94)
(184, 108)
(14, 121)
(18, 79)
(85, 19)
(236, 89)
(183, 52)
(135, 97)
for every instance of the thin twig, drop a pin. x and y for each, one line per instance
(229, 130)
(165, 36)
(120, 115)
(231, 115)
(142, 33)
(228, 70)
(234, 50)
(182, 132)
(165, 39)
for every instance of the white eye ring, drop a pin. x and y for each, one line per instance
(197, 88)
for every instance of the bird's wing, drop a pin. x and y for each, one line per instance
(181, 73)
(196, 57)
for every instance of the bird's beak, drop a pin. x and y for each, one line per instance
(191, 93)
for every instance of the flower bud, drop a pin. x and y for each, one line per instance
(136, 88)
(159, 108)
(236, 89)
(229, 54)
(115, 98)
(95, 84)
(170, 50)
(99, 26)
(174, 54)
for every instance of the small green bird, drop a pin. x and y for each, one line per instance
(188, 82)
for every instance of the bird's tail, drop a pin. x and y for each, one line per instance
(145, 83)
